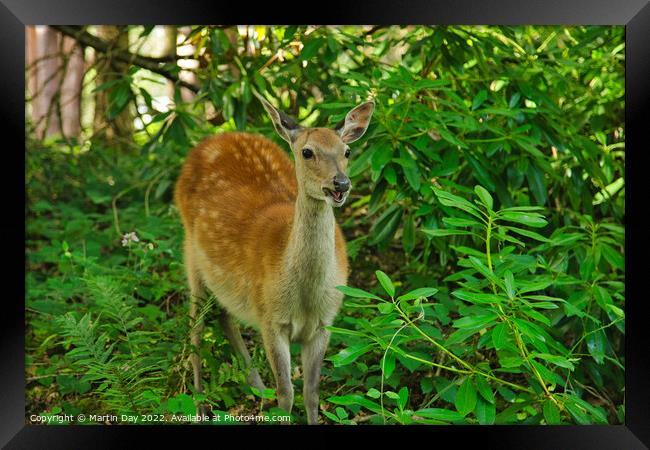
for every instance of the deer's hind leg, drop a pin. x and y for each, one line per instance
(231, 330)
(197, 297)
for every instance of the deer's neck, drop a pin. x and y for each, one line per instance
(310, 256)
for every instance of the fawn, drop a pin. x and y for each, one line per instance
(260, 234)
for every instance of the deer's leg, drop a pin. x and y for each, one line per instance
(276, 344)
(195, 335)
(231, 330)
(197, 294)
(312, 354)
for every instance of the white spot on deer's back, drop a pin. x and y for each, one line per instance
(213, 154)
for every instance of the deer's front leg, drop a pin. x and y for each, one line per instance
(312, 354)
(276, 344)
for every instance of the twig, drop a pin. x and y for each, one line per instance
(146, 62)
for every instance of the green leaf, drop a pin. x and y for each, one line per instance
(439, 232)
(485, 412)
(181, 403)
(426, 385)
(385, 308)
(289, 32)
(460, 335)
(481, 172)
(500, 336)
(596, 412)
(551, 413)
(475, 321)
(485, 271)
(118, 98)
(355, 399)
(408, 234)
(555, 359)
(403, 397)
(475, 297)
(479, 99)
(577, 412)
(388, 364)
(485, 196)
(522, 209)
(455, 201)
(440, 414)
(458, 222)
(381, 156)
(536, 183)
(385, 227)
(596, 343)
(530, 219)
(509, 281)
(357, 293)
(484, 389)
(547, 375)
(417, 293)
(529, 330)
(613, 257)
(350, 354)
(373, 393)
(466, 397)
(385, 282)
(311, 48)
(528, 233)
(412, 175)
(535, 315)
(449, 137)
(392, 395)
(602, 296)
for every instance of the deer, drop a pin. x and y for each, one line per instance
(261, 235)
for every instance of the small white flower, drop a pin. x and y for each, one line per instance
(129, 237)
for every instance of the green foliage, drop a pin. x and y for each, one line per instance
(488, 203)
(515, 307)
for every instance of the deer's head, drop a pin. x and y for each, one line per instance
(321, 154)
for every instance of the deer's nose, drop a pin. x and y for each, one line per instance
(341, 183)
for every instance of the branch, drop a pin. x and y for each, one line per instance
(153, 64)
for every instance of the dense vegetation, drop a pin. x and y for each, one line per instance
(485, 228)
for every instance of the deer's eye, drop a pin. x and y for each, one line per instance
(307, 153)
(347, 152)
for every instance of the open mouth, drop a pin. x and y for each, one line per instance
(338, 197)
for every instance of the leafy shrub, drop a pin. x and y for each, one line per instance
(523, 321)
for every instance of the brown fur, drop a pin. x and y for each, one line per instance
(236, 195)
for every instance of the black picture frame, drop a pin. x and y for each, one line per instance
(15, 14)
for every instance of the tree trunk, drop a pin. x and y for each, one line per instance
(71, 88)
(46, 81)
(30, 44)
(55, 70)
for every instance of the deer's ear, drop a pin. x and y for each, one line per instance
(285, 125)
(356, 122)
